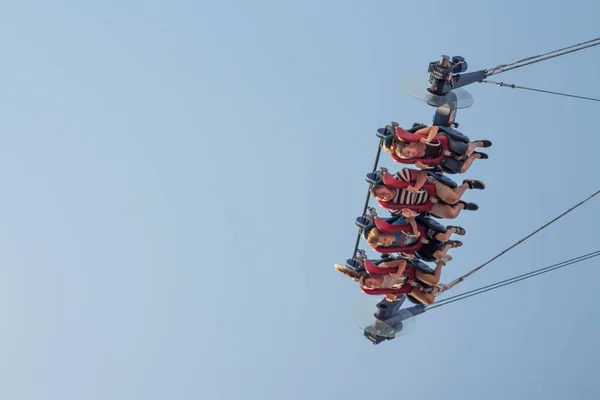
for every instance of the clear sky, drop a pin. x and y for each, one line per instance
(179, 179)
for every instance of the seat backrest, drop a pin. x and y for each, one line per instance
(386, 225)
(393, 182)
(407, 136)
(375, 292)
(374, 269)
(454, 134)
(416, 126)
(420, 266)
(407, 249)
(430, 223)
(388, 205)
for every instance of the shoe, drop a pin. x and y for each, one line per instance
(459, 229)
(486, 143)
(483, 156)
(470, 206)
(474, 184)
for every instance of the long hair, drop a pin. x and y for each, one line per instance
(356, 276)
(373, 237)
(395, 146)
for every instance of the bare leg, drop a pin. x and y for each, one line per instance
(425, 298)
(444, 237)
(442, 253)
(447, 211)
(469, 161)
(474, 145)
(431, 279)
(450, 195)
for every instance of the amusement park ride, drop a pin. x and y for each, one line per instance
(448, 78)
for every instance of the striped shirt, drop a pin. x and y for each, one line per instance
(403, 196)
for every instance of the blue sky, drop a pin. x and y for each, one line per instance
(179, 179)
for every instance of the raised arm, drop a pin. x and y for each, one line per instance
(392, 263)
(413, 225)
(419, 178)
(401, 268)
(412, 175)
(429, 132)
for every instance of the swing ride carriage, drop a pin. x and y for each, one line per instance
(411, 244)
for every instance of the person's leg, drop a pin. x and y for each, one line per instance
(425, 298)
(446, 211)
(459, 230)
(431, 279)
(453, 195)
(445, 236)
(478, 143)
(442, 253)
(467, 163)
(449, 195)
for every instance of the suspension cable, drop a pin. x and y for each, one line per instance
(515, 279)
(548, 53)
(462, 278)
(540, 57)
(513, 86)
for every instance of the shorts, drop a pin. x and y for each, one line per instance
(426, 251)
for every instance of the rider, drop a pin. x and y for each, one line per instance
(406, 280)
(458, 160)
(377, 238)
(415, 194)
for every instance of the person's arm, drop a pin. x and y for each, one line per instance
(430, 132)
(391, 264)
(423, 131)
(408, 213)
(420, 165)
(413, 225)
(419, 178)
(401, 268)
(433, 131)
